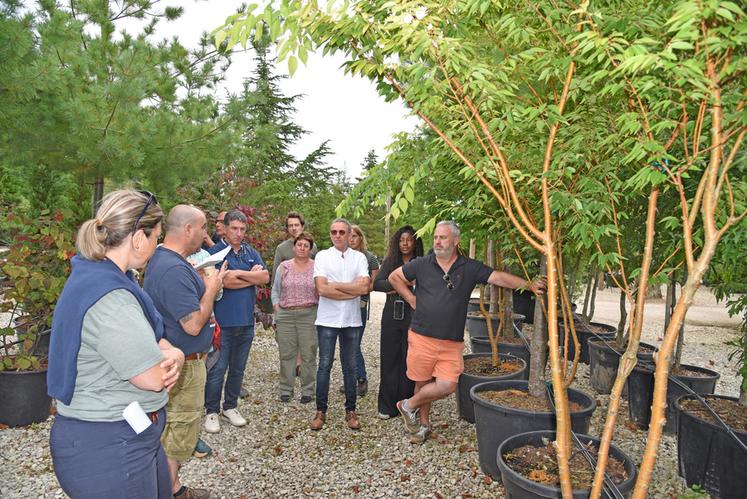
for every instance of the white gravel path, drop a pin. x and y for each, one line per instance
(276, 455)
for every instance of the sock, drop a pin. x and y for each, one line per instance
(406, 405)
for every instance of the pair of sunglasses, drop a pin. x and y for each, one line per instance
(449, 284)
(151, 200)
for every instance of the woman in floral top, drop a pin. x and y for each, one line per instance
(296, 299)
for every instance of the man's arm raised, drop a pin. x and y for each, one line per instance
(402, 286)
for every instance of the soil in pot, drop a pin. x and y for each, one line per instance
(604, 359)
(540, 464)
(641, 391)
(584, 332)
(519, 399)
(478, 368)
(706, 454)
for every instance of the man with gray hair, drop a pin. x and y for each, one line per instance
(445, 280)
(341, 277)
(185, 300)
(235, 316)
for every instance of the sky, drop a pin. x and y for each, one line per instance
(343, 109)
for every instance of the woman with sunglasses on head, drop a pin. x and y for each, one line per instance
(106, 354)
(395, 321)
(295, 300)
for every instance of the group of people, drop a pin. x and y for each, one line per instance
(127, 364)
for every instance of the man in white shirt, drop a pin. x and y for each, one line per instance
(341, 277)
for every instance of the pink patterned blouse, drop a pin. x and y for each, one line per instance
(296, 288)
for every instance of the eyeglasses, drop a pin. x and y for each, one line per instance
(338, 232)
(449, 284)
(151, 200)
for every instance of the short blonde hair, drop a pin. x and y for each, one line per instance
(121, 213)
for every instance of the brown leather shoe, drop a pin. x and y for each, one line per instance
(318, 421)
(352, 420)
(191, 493)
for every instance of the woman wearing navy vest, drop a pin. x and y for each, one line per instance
(106, 353)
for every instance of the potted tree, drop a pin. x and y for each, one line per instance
(37, 265)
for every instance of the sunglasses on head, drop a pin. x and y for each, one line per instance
(449, 284)
(338, 232)
(151, 200)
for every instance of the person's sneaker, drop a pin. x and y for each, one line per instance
(285, 398)
(383, 416)
(362, 388)
(318, 422)
(305, 399)
(191, 493)
(351, 419)
(243, 393)
(212, 424)
(421, 436)
(234, 417)
(409, 418)
(202, 449)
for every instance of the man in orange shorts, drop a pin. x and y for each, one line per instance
(444, 282)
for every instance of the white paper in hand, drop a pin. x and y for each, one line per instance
(214, 260)
(136, 417)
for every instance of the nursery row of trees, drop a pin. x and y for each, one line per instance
(92, 99)
(592, 137)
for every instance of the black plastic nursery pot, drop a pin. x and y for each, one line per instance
(477, 326)
(519, 487)
(641, 393)
(24, 397)
(473, 305)
(495, 423)
(467, 381)
(482, 345)
(524, 304)
(708, 456)
(604, 359)
(583, 335)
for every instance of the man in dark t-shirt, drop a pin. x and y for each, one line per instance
(444, 281)
(185, 300)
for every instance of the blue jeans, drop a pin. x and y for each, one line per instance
(108, 459)
(348, 342)
(360, 362)
(235, 344)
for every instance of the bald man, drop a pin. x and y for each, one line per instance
(185, 300)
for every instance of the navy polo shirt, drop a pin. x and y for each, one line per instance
(441, 312)
(236, 308)
(176, 288)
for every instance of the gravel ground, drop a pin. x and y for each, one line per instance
(276, 455)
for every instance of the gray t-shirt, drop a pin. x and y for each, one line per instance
(116, 343)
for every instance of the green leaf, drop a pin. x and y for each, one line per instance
(292, 64)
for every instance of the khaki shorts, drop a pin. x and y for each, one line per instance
(184, 411)
(429, 358)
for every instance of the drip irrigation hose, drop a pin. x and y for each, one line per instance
(610, 488)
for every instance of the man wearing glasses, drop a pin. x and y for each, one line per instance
(444, 280)
(294, 226)
(341, 277)
(220, 231)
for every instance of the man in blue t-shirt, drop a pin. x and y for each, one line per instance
(185, 300)
(235, 316)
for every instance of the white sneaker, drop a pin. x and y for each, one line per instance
(212, 424)
(383, 416)
(234, 417)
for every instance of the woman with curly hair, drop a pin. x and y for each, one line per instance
(395, 321)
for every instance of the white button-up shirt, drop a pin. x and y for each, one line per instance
(339, 267)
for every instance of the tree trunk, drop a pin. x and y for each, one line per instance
(593, 303)
(388, 220)
(538, 357)
(491, 262)
(601, 283)
(587, 292)
(671, 302)
(98, 194)
(743, 388)
(508, 308)
(472, 248)
(623, 320)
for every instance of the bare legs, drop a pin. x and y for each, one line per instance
(426, 392)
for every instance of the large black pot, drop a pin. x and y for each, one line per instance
(41, 344)
(604, 359)
(482, 345)
(477, 326)
(495, 423)
(583, 336)
(24, 397)
(708, 456)
(467, 381)
(517, 486)
(523, 304)
(473, 305)
(641, 393)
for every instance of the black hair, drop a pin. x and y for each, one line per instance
(393, 257)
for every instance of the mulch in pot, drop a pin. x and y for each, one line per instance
(687, 373)
(519, 399)
(733, 414)
(483, 366)
(540, 464)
